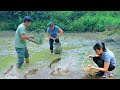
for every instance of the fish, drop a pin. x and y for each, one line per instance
(59, 71)
(9, 70)
(31, 72)
(12, 73)
(54, 61)
(56, 70)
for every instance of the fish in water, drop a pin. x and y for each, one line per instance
(54, 61)
(9, 70)
(59, 71)
(12, 73)
(56, 70)
(31, 72)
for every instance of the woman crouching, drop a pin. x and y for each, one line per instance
(105, 60)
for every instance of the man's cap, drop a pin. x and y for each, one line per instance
(51, 24)
(27, 18)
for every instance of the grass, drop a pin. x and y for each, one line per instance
(70, 47)
(6, 62)
(116, 31)
(44, 54)
(38, 56)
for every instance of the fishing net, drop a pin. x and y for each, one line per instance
(39, 35)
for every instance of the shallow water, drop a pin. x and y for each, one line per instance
(72, 59)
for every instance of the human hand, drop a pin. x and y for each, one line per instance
(54, 39)
(90, 66)
(90, 56)
(32, 37)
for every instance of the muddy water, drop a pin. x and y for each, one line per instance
(71, 59)
(5, 47)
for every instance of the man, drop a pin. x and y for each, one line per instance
(53, 35)
(20, 41)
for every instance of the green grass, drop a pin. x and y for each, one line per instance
(6, 62)
(38, 56)
(44, 54)
(70, 47)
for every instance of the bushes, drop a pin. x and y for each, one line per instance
(8, 26)
(38, 25)
(4, 25)
(82, 21)
(96, 23)
(83, 24)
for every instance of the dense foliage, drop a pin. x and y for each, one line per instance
(82, 21)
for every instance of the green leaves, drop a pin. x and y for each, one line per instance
(82, 21)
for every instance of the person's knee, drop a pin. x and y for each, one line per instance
(51, 46)
(94, 59)
(21, 59)
(21, 55)
(111, 68)
(26, 54)
(21, 52)
(51, 43)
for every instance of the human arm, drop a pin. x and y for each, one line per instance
(24, 36)
(50, 36)
(60, 33)
(90, 56)
(104, 69)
